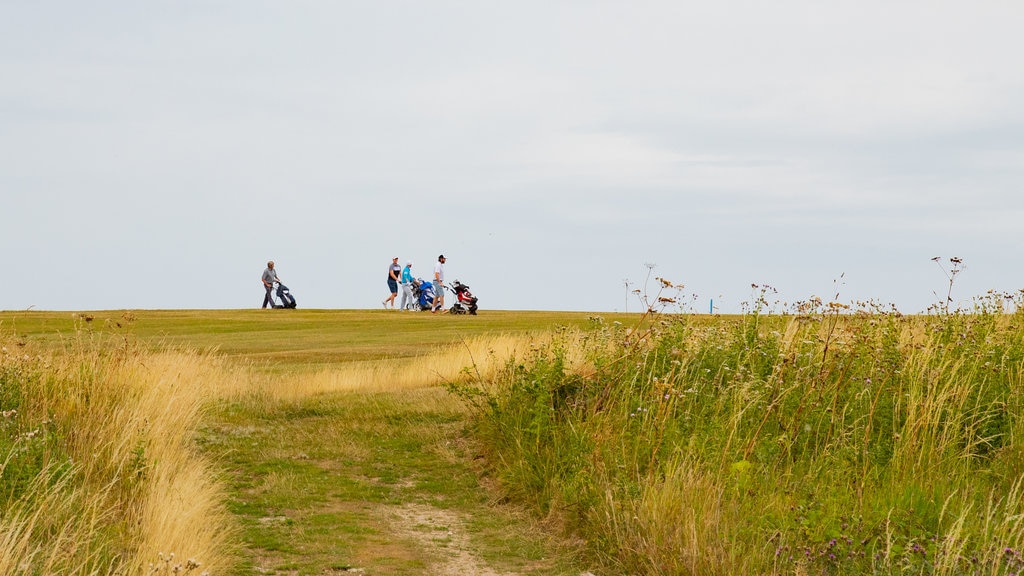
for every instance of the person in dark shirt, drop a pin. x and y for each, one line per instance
(394, 272)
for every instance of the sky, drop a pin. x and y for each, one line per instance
(560, 154)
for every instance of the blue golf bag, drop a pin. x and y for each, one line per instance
(424, 292)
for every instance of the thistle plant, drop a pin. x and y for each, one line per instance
(668, 295)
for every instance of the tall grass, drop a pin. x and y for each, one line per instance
(831, 441)
(485, 354)
(97, 471)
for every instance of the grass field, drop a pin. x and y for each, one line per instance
(324, 439)
(831, 441)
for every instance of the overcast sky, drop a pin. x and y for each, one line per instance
(156, 154)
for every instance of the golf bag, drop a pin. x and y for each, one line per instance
(464, 299)
(424, 293)
(285, 296)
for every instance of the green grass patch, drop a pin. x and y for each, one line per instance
(309, 481)
(286, 340)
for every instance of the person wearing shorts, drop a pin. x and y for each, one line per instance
(394, 271)
(439, 284)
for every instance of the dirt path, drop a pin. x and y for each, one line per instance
(443, 534)
(371, 484)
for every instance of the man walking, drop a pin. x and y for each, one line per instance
(394, 271)
(269, 278)
(407, 297)
(439, 284)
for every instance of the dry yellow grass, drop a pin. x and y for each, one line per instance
(483, 356)
(135, 487)
(679, 524)
(180, 509)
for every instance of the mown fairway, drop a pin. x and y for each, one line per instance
(286, 340)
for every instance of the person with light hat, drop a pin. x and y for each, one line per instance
(407, 296)
(394, 271)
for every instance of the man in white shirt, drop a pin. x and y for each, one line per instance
(439, 284)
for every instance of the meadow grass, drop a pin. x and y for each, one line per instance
(98, 471)
(829, 441)
(825, 442)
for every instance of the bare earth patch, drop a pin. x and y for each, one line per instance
(442, 534)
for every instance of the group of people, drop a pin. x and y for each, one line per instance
(399, 276)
